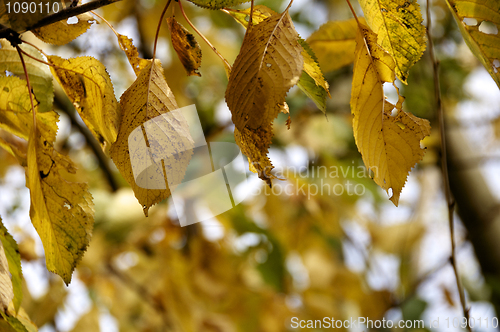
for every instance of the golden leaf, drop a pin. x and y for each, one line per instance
(260, 13)
(15, 111)
(39, 74)
(147, 98)
(398, 25)
(482, 38)
(61, 211)
(334, 43)
(62, 32)
(130, 50)
(268, 65)
(389, 144)
(87, 84)
(311, 81)
(14, 259)
(185, 45)
(6, 288)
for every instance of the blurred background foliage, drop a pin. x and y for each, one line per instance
(276, 255)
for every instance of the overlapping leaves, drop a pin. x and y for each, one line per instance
(399, 30)
(387, 137)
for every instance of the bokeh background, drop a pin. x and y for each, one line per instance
(279, 254)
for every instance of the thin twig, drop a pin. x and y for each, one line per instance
(203, 37)
(444, 166)
(19, 51)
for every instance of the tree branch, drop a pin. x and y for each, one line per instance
(444, 167)
(91, 142)
(61, 15)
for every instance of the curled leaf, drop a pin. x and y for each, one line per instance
(185, 45)
(130, 50)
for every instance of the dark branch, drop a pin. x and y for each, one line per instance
(61, 15)
(61, 104)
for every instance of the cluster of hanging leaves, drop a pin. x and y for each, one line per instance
(382, 46)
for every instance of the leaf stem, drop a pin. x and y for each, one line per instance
(105, 21)
(353, 12)
(19, 51)
(444, 165)
(203, 37)
(158, 28)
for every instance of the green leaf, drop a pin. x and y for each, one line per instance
(39, 74)
(485, 46)
(399, 29)
(217, 4)
(14, 324)
(14, 259)
(311, 81)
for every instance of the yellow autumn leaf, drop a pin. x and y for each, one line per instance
(389, 143)
(14, 259)
(15, 111)
(62, 212)
(334, 43)
(270, 62)
(40, 76)
(482, 37)
(6, 288)
(217, 4)
(185, 45)
(147, 98)
(242, 16)
(130, 50)
(398, 25)
(62, 32)
(311, 81)
(88, 85)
